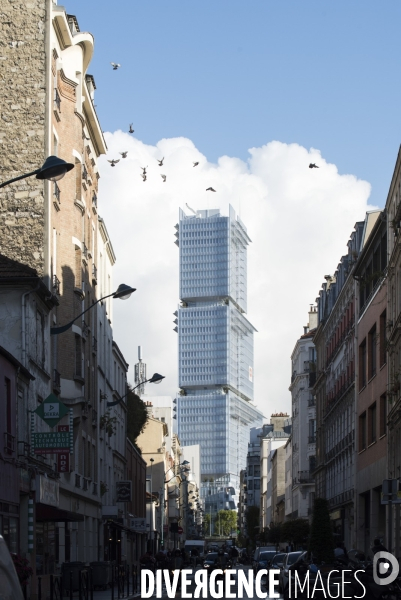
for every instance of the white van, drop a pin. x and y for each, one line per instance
(198, 544)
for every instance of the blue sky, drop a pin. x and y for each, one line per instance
(231, 75)
(209, 80)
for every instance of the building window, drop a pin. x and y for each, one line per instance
(372, 423)
(78, 356)
(382, 334)
(362, 431)
(372, 353)
(383, 415)
(362, 365)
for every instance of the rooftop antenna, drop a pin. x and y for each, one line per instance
(191, 209)
(140, 373)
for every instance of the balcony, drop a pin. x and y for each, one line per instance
(305, 477)
(9, 443)
(84, 174)
(56, 285)
(57, 100)
(94, 202)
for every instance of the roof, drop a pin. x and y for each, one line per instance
(14, 361)
(310, 334)
(13, 268)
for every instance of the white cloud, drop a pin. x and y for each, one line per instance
(299, 220)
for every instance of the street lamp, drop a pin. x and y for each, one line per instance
(53, 169)
(123, 293)
(156, 378)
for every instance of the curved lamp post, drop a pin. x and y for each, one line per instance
(123, 293)
(53, 169)
(156, 378)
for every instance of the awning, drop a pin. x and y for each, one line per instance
(45, 512)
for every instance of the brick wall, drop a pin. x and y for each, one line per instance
(22, 128)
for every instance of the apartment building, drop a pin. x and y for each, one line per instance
(393, 211)
(371, 377)
(303, 431)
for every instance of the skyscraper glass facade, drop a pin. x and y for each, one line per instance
(214, 409)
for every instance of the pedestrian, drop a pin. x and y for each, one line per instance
(234, 555)
(378, 546)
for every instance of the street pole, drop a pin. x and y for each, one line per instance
(210, 520)
(162, 515)
(151, 505)
(390, 523)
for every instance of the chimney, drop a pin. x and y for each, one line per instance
(312, 317)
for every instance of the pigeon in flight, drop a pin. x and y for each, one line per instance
(210, 189)
(164, 177)
(313, 166)
(130, 128)
(115, 66)
(144, 170)
(144, 177)
(124, 154)
(196, 164)
(113, 162)
(160, 161)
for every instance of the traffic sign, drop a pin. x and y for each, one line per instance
(180, 530)
(51, 410)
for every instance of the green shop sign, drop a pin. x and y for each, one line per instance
(51, 410)
(51, 442)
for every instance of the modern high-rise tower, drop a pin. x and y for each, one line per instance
(214, 408)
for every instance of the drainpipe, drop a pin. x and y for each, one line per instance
(48, 146)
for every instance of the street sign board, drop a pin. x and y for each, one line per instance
(123, 491)
(180, 530)
(63, 463)
(51, 410)
(138, 524)
(394, 498)
(51, 442)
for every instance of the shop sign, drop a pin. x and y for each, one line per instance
(57, 442)
(123, 491)
(51, 410)
(63, 463)
(138, 524)
(48, 491)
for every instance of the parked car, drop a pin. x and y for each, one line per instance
(264, 560)
(275, 563)
(289, 560)
(258, 552)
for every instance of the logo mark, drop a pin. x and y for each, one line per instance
(385, 563)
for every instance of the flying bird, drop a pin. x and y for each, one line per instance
(160, 161)
(144, 170)
(124, 154)
(144, 177)
(196, 164)
(313, 166)
(115, 66)
(164, 177)
(113, 162)
(130, 128)
(210, 189)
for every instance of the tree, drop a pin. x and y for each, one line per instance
(137, 416)
(252, 522)
(273, 534)
(321, 541)
(206, 523)
(225, 521)
(295, 531)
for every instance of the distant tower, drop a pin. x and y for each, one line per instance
(140, 373)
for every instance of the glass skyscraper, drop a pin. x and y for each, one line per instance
(214, 408)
